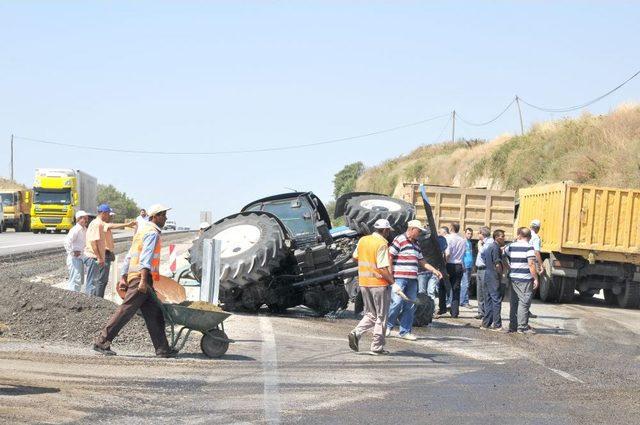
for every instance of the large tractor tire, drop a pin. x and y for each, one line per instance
(630, 296)
(424, 312)
(361, 212)
(252, 248)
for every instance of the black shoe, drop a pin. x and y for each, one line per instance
(353, 341)
(107, 351)
(478, 316)
(167, 354)
(379, 353)
(441, 312)
(533, 316)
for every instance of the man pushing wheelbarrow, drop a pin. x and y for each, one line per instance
(140, 272)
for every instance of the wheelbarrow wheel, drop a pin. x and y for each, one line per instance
(212, 347)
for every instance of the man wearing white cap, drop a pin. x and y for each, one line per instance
(74, 244)
(142, 270)
(375, 279)
(536, 242)
(407, 262)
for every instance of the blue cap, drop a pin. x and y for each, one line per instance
(104, 208)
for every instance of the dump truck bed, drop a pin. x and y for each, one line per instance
(600, 223)
(469, 207)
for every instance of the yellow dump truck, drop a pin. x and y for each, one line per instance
(590, 240)
(468, 206)
(16, 204)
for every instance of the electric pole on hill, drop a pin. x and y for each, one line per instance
(12, 157)
(520, 114)
(453, 126)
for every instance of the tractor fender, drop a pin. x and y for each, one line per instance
(341, 202)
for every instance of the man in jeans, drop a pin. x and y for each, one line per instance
(407, 261)
(467, 262)
(484, 238)
(454, 254)
(524, 280)
(74, 245)
(96, 249)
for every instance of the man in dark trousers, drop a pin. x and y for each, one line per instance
(455, 269)
(141, 271)
(492, 257)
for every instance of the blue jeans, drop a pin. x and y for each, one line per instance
(464, 287)
(410, 288)
(427, 284)
(94, 275)
(76, 273)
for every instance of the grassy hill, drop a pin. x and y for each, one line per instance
(8, 184)
(603, 150)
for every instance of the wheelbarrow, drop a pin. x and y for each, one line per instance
(214, 342)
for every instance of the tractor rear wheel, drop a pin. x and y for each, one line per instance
(361, 212)
(252, 248)
(424, 312)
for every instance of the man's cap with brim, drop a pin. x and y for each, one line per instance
(204, 225)
(102, 208)
(81, 213)
(416, 224)
(535, 223)
(156, 209)
(381, 224)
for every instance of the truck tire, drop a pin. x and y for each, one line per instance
(567, 289)
(609, 297)
(630, 297)
(361, 212)
(252, 248)
(549, 290)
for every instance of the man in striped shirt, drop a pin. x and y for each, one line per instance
(407, 260)
(524, 280)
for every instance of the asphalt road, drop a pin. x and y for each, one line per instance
(583, 366)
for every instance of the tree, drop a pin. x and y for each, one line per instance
(345, 180)
(123, 206)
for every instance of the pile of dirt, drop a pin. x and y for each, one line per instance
(201, 305)
(11, 184)
(39, 312)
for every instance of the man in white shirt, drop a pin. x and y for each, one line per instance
(141, 220)
(74, 244)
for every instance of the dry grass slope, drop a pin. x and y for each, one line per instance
(603, 150)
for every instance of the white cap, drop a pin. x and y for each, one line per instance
(204, 225)
(81, 213)
(415, 223)
(535, 223)
(156, 209)
(382, 223)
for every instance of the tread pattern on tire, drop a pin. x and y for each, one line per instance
(362, 219)
(424, 313)
(567, 286)
(249, 266)
(630, 298)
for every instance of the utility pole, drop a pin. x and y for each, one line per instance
(453, 126)
(12, 157)
(520, 114)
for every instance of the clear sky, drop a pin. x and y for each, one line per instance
(211, 76)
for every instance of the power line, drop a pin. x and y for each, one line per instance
(583, 105)
(238, 151)
(480, 124)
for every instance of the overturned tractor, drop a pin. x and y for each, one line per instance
(281, 251)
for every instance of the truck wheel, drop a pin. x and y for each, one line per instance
(548, 284)
(609, 297)
(424, 312)
(586, 295)
(361, 212)
(567, 289)
(630, 296)
(252, 249)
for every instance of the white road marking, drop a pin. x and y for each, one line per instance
(271, 397)
(55, 243)
(566, 375)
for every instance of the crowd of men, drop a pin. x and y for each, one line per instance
(394, 277)
(90, 249)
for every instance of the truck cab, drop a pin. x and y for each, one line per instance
(17, 205)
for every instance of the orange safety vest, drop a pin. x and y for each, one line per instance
(136, 250)
(368, 274)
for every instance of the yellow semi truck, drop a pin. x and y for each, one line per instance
(57, 195)
(590, 240)
(16, 204)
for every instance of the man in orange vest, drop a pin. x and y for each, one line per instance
(375, 280)
(141, 270)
